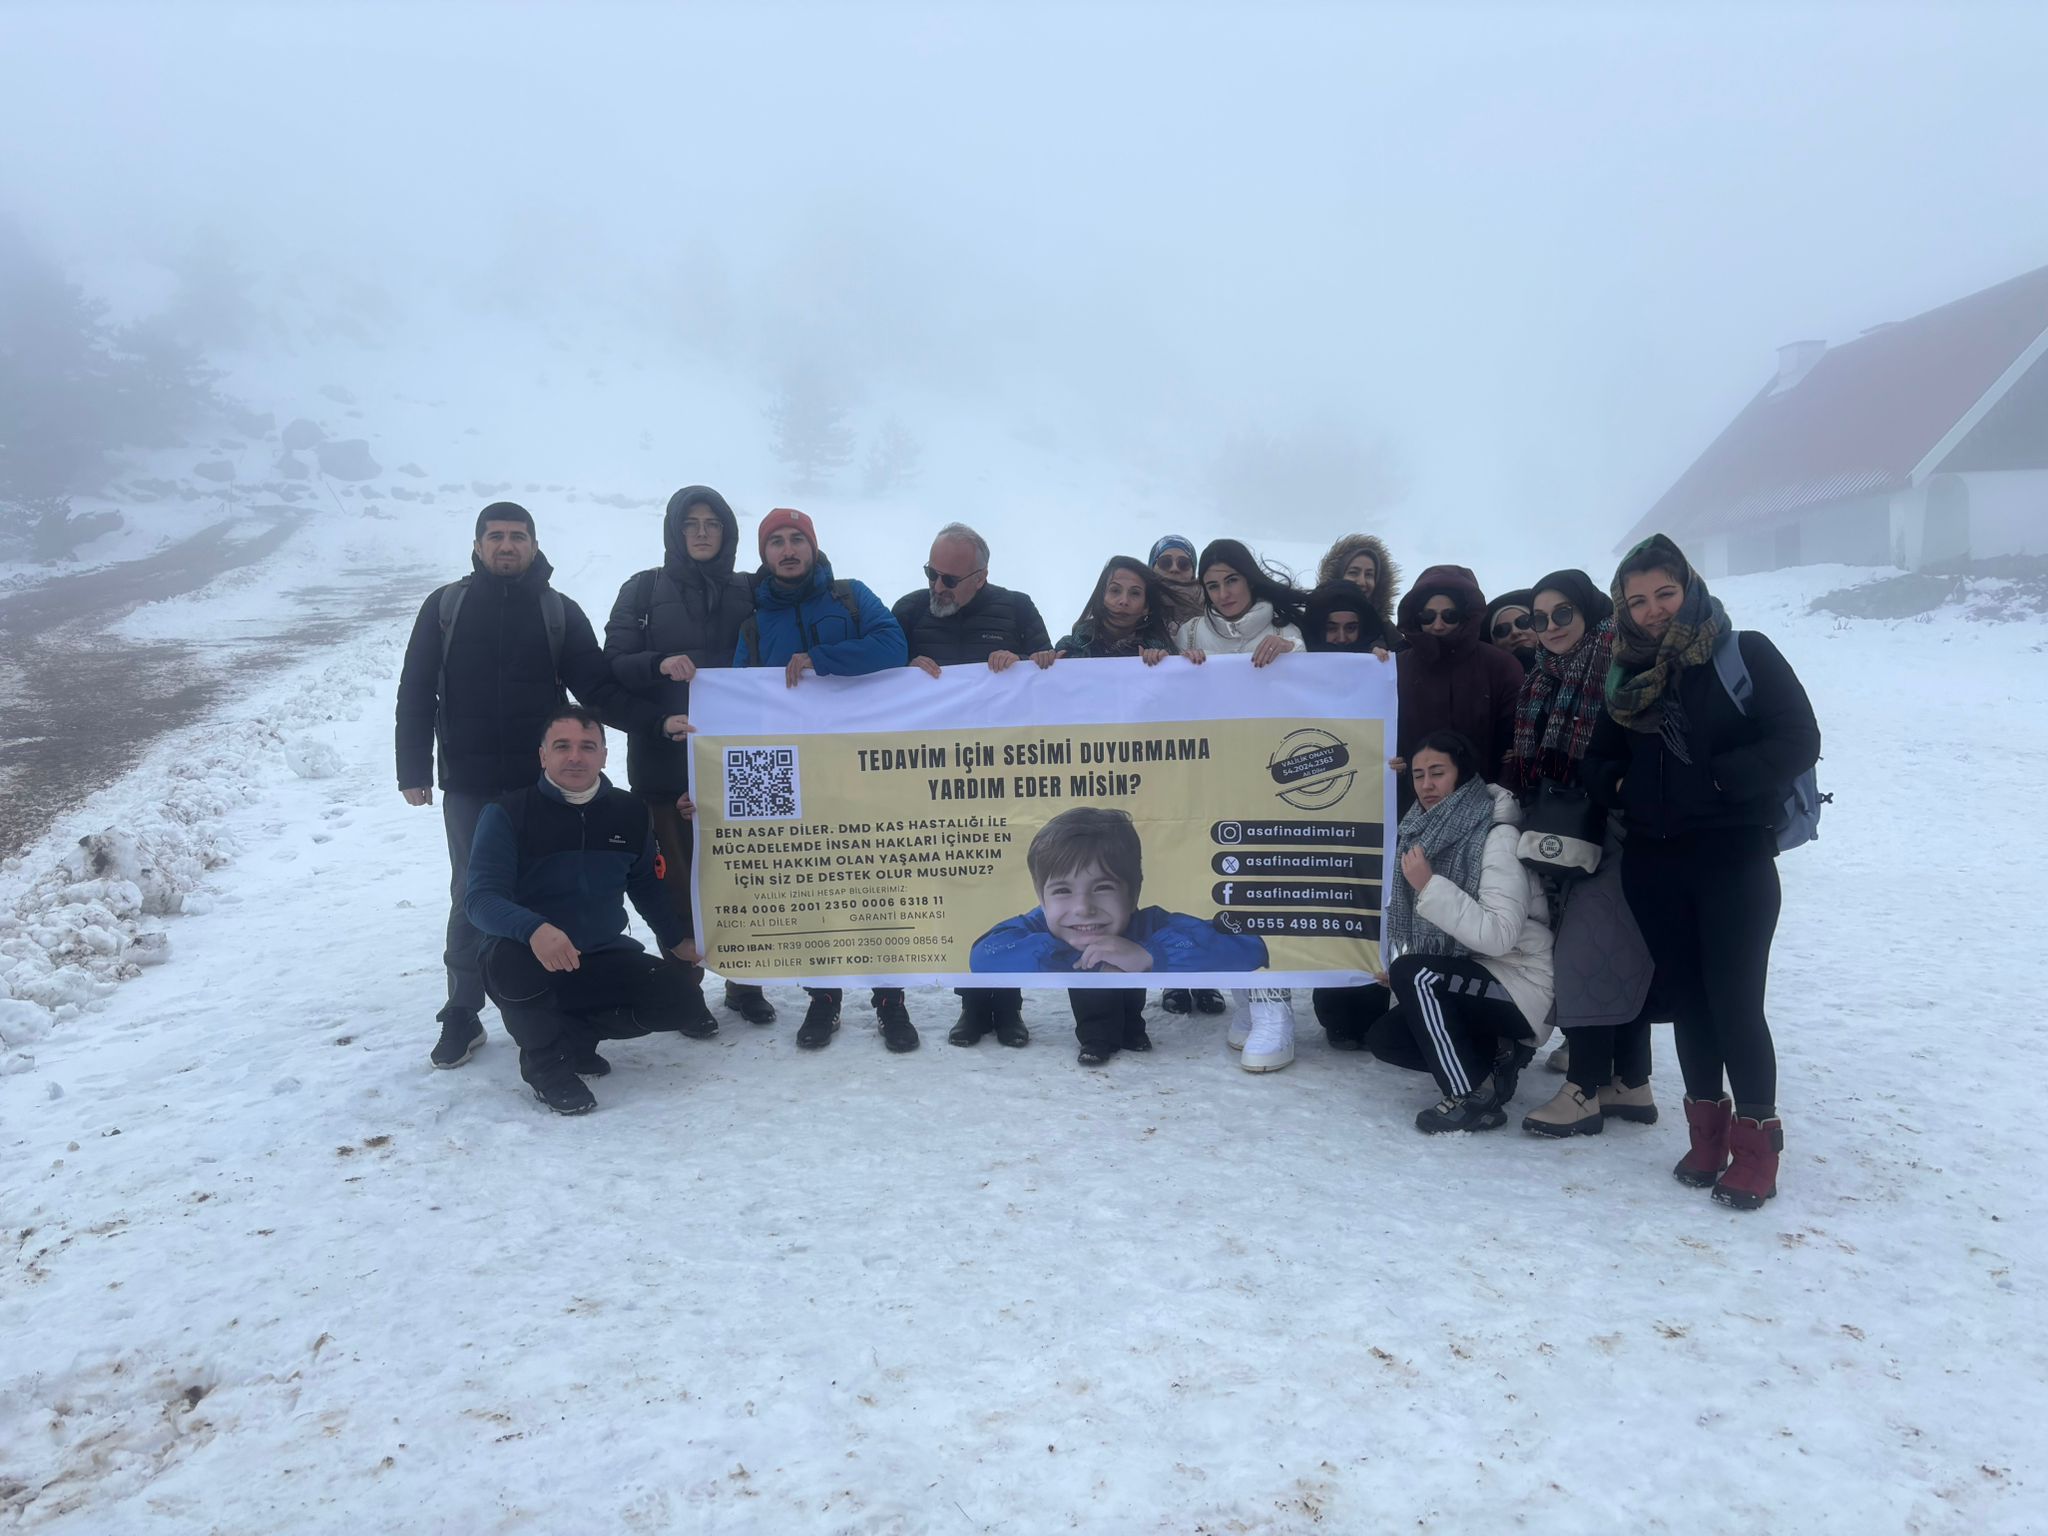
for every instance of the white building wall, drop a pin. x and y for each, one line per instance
(2008, 512)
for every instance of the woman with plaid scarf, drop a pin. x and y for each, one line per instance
(1701, 784)
(1602, 969)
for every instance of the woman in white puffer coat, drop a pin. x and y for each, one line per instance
(1252, 610)
(1469, 984)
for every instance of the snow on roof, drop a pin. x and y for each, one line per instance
(1877, 413)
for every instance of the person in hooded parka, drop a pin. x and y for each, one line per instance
(668, 622)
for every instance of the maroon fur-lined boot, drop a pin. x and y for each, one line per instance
(1707, 1119)
(1752, 1176)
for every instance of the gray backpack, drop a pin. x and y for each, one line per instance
(1799, 817)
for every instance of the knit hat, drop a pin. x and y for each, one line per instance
(504, 512)
(780, 518)
(1172, 541)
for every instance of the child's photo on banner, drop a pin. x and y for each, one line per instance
(1068, 827)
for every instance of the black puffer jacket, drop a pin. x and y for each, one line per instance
(683, 607)
(501, 684)
(1742, 765)
(996, 620)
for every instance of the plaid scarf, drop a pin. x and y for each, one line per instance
(1640, 691)
(1452, 835)
(1560, 704)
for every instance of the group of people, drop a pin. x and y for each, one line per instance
(1590, 809)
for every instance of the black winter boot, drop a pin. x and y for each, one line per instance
(1177, 1000)
(898, 1033)
(750, 1003)
(821, 1023)
(462, 1036)
(1478, 1110)
(551, 1074)
(1009, 1023)
(1207, 1001)
(976, 1020)
(697, 1021)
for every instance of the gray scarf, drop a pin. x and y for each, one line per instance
(1452, 835)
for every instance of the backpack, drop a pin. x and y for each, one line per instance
(552, 614)
(1799, 818)
(750, 631)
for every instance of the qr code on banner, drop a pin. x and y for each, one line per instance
(760, 784)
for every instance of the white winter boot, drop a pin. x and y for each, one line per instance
(1270, 1044)
(1240, 1022)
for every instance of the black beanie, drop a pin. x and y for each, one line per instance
(504, 512)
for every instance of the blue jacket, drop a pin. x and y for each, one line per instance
(814, 621)
(538, 859)
(1175, 941)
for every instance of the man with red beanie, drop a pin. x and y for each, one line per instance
(805, 621)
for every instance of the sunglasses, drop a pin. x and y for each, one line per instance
(1507, 627)
(1178, 564)
(949, 582)
(1450, 616)
(1561, 616)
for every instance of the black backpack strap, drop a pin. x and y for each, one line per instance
(843, 590)
(554, 613)
(449, 600)
(643, 595)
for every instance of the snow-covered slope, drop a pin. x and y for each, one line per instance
(270, 1273)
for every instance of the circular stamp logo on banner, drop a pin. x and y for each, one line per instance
(1313, 769)
(1550, 845)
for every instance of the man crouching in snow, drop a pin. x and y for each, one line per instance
(548, 875)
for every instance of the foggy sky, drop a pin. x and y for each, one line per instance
(1545, 250)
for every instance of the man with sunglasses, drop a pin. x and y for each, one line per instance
(1510, 625)
(961, 618)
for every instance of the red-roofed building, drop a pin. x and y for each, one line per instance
(1921, 442)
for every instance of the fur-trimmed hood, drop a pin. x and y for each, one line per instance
(1389, 585)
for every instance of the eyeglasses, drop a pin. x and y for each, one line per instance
(950, 582)
(1452, 617)
(1180, 565)
(1562, 616)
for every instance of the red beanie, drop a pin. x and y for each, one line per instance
(784, 517)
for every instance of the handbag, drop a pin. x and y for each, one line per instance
(1562, 832)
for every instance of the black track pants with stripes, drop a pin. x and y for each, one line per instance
(1449, 1019)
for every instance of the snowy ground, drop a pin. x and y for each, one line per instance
(271, 1273)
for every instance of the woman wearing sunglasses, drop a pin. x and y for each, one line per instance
(1450, 679)
(1251, 609)
(1173, 561)
(1603, 970)
(1510, 627)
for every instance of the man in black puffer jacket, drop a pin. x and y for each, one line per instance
(552, 869)
(684, 614)
(960, 618)
(490, 658)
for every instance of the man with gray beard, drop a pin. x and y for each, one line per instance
(961, 618)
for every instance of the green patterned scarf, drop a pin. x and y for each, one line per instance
(1640, 691)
